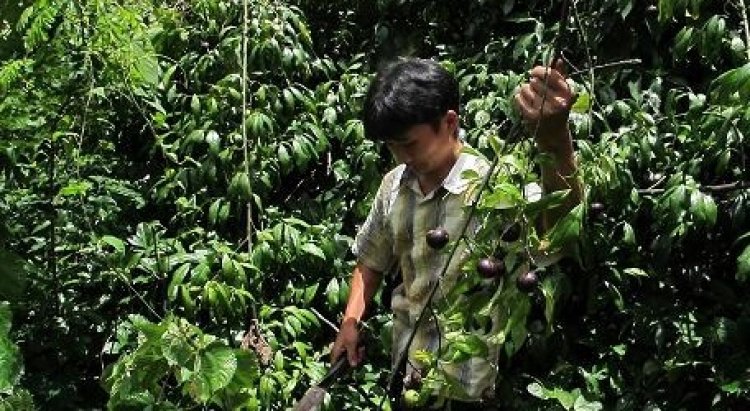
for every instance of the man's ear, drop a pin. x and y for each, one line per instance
(450, 119)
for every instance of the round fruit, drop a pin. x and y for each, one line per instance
(527, 281)
(597, 210)
(413, 381)
(437, 238)
(490, 267)
(411, 398)
(512, 233)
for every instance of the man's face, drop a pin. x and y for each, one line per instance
(426, 150)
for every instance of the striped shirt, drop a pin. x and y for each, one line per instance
(394, 233)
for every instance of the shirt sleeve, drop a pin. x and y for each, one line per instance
(373, 244)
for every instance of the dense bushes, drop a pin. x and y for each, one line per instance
(128, 196)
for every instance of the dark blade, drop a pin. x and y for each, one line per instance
(316, 394)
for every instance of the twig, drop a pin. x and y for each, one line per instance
(743, 11)
(139, 295)
(325, 320)
(249, 211)
(590, 69)
(604, 66)
(716, 189)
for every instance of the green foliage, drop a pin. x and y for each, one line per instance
(124, 189)
(12, 276)
(12, 397)
(203, 367)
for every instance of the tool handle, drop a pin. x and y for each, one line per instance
(339, 368)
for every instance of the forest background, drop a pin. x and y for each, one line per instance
(174, 230)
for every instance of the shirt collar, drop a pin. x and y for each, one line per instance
(453, 182)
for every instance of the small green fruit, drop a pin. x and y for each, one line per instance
(411, 398)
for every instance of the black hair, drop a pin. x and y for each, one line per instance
(408, 92)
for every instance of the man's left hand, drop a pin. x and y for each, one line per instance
(550, 125)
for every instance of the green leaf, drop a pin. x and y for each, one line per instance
(213, 140)
(582, 404)
(239, 187)
(565, 398)
(568, 229)
(503, 196)
(115, 242)
(471, 150)
(704, 208)
(175, 347)
(465, 346)
(313, 249)
(284, 158)
(733, 81)
(195, 104)
(12, 276)
(10, 363)
(481, 118)
(332, 293)
(547, 202)
(75, 188)
(146, 69)
(247, 370)
(743, 265)
(217, 367)
(628, 236)
(310, 293)
(5, 318)
(636, 272)
(537, 390)
(177, 279)
(582, 104)
(683, 41)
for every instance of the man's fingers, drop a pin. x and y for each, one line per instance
(528, 94)
(335, 352)
(525, 108)
(553, 86)
(351, 353)
(561, 68)
(541, 71)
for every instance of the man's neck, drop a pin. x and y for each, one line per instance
(429, 182)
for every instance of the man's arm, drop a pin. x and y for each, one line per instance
(364, 284)
(550, 128)
(561, 174)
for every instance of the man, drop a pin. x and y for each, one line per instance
(413, 106)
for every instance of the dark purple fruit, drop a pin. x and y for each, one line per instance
(597, 211)
(512, 233)
(413, 381)
(490, 267)
(437, 238)
(527, 281)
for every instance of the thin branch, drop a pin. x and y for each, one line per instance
(249, 211)
(592, 82)
(324, 319)
(743, 11)
(716, 189)
(605, 66)
(139, 295)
